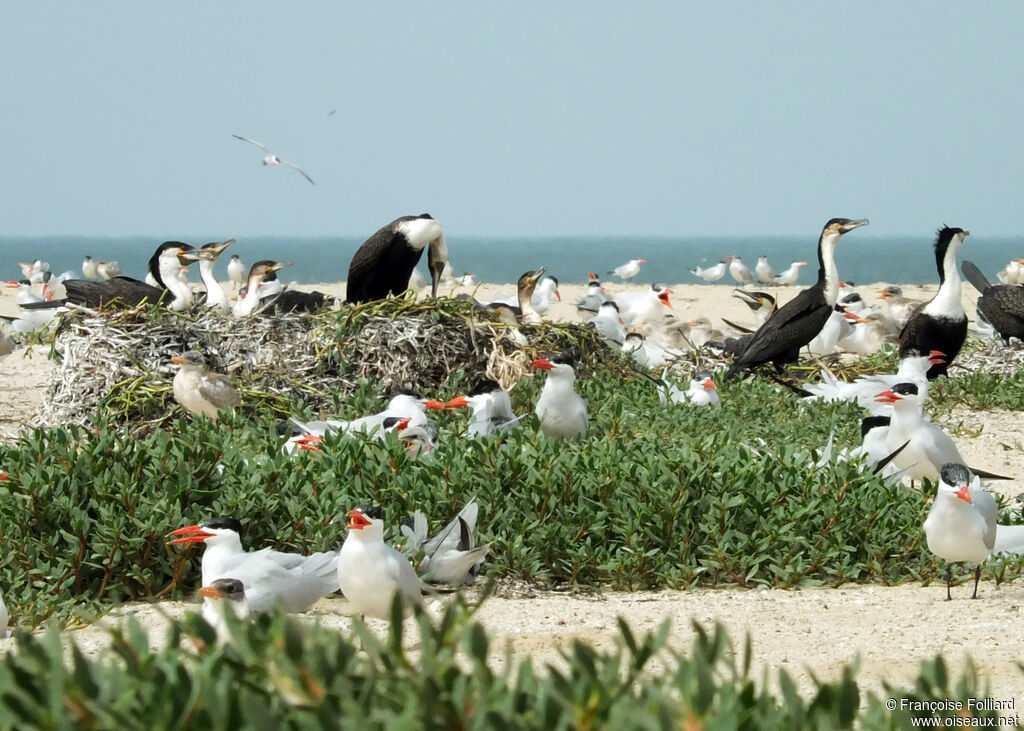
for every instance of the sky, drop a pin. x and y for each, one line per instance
(531, 118)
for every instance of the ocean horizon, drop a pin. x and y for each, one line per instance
(861, 258)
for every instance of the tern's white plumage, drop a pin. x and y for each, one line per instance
(269, 576)
(961, 525)
(269, 158)
(562, 411)
(370, 572)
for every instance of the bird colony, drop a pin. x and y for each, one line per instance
(153, 351)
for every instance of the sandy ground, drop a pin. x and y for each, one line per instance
(807, 630)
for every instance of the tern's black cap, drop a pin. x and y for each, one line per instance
(222, 522)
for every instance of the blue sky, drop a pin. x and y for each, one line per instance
(529, 118)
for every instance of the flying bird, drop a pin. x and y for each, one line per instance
(269, 158)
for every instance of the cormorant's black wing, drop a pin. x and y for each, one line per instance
(129, 292)
(784, 333)
(382, 265)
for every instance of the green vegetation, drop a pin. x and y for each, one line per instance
(654, 496)
(277, 673)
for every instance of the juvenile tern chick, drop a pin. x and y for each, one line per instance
(201, 391)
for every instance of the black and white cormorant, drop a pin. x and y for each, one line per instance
(1002, 305)
(525, 313)
(164, 266)
(263, 293)
(384, 263)
(780, 338)
(941, 324)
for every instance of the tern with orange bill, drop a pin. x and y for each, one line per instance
(562, 411)
(370, 572)
(269, 576)
(220, 596)
(961, 525)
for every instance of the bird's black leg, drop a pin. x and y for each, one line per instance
(977, 577)
(949, 580)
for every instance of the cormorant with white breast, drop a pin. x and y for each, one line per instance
(941, 324)
(1001, 304)
(793, 326)
(384, 263)
(264, 293)
(164, 266)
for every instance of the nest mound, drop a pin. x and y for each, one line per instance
(118, 362)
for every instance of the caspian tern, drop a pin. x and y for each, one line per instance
(404, 404)
(639, 309)
(218, 597)
(628, 270)
(896, 308)
(608, 324)
(450, 556)
(492, 408)
(236, 271)
(763, 270)
(790, 275)
(961, 525)
(594, 297)
(419, 440)
(269, 576)
(740, 271)
(269, 158)
(1012, 273)
(89, 268)
(199, 390)
(372, 573)
(701, 392)
(562, 411)
(929, 446)
(865, 389)
(712, 273)
(108, 269)
(648, 353)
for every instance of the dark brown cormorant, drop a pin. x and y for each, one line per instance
(941, 323)
(384, 263)
(780, 338)
(164, 265)
(1002, 305)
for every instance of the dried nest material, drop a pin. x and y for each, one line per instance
(989, 357)
(119, 361)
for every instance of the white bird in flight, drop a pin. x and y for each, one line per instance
(269, 158)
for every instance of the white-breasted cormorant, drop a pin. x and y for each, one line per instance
(941, 324)
(794, 325)
(384, 263)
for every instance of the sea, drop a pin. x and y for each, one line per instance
(861, 258)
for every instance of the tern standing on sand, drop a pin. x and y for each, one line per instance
(961, 525)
